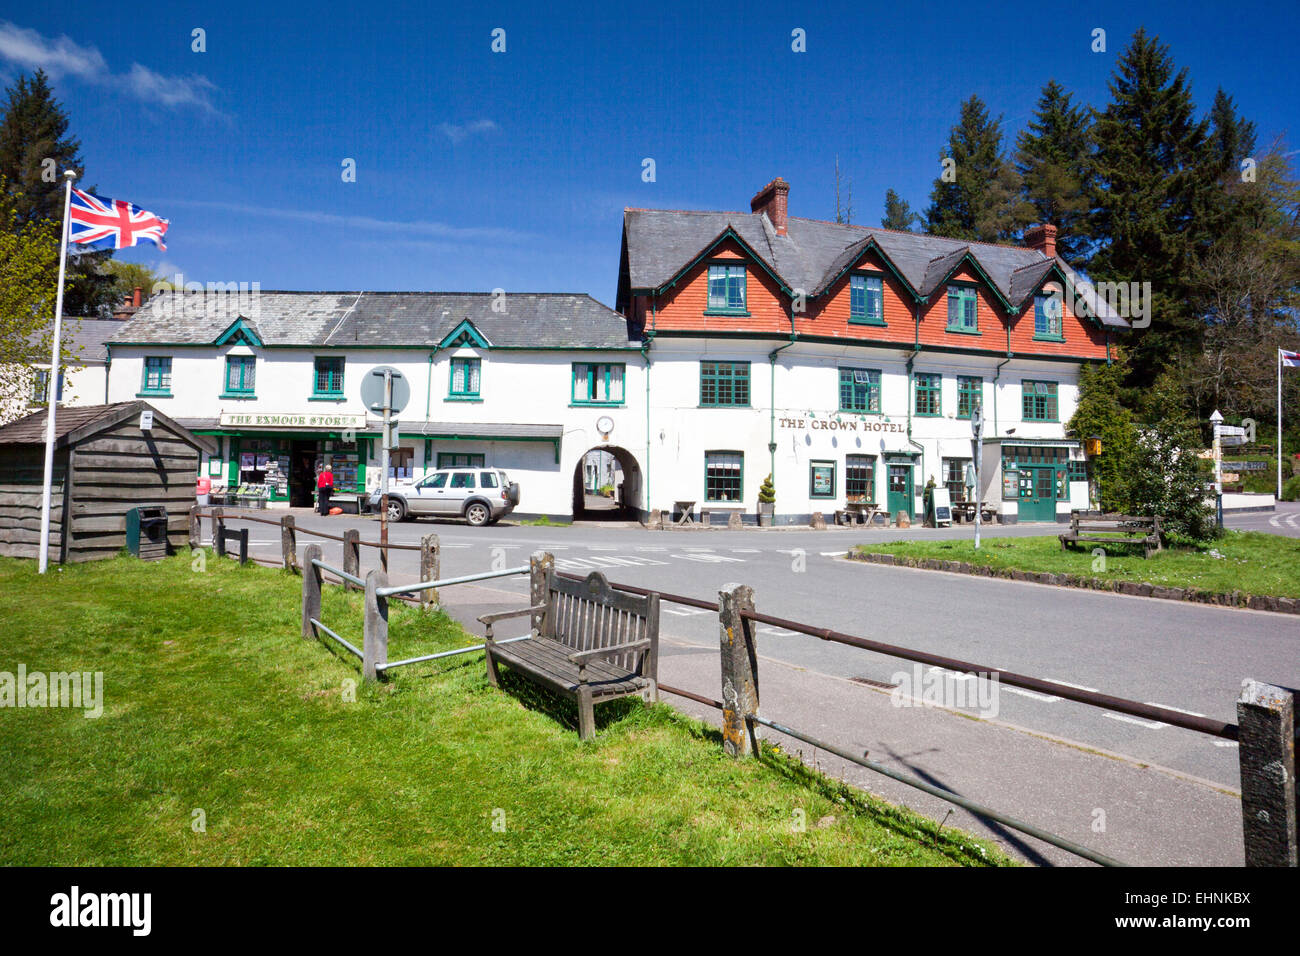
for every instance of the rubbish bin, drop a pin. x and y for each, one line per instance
(202, 491)
(146, 532)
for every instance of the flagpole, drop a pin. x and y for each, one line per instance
(1279, 424)
(51, 390)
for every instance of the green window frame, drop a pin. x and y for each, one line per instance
(41, 387)
(724, 476)
(970, 394)
(724, 384)
(157, 375)
(460, 459)
(860, 390)
(466, 378)
(241, 375)
(867, 300)
(963, 309)
(726, 292)
(327, 382)
(599, 383)
(1038, 401)
(954, 477)
(1078, 469)
(1048, 318)
(929, 394)
(821, 479)
(860, 478)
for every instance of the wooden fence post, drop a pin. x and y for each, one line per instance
(1266, 752)
(351, 556)
(218, 525)
(540, 564)
(196, 528)
(739, 670)
(375, 646)
(311, 584)
(430, 568)
(289, 543)
(243, 545)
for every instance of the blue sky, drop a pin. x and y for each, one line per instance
(478, 170)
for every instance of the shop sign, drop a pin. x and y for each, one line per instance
(272, 420)
(832, 425)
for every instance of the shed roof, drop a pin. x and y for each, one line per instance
(71, 425)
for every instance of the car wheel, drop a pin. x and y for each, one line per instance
(396, 509)
(477, 514)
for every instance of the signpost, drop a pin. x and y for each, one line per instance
(977, 452)
(1217, 420)
(385, 390)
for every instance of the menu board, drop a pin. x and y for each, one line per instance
(1011, 484)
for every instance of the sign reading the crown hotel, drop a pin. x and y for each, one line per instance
(852, 425)
(271, 420)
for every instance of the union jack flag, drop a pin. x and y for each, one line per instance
(95, 221)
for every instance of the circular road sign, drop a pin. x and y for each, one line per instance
(372, 389)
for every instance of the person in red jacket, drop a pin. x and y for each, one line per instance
(325, 488)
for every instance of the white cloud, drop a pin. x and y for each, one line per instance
(427, 229)
(62, 56)
(172, 91)
(459, 133)
(58, 57)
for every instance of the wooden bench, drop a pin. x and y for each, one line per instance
(1118, 528)
(593, 643)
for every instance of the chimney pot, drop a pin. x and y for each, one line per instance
(772, 199)
(135, 298)
(1043, 238)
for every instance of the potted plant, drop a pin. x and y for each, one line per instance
(766, 503)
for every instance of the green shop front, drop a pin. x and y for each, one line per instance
(1039, 480)
(276, 458)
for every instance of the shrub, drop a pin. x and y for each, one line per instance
(767, 492)
(1291, 489)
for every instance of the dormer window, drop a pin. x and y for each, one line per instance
(867, 300)
(1047, 316)
(727, 289)
(963, 315)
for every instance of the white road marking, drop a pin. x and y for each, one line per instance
(604, 562)
(708, 558)
(777, 631)
(1225, 743)
(680, 610)
(1190, 713)
(832, 554)
(1275, 521)
(649, 548)
(1030, 694)
(745, 551)
(1066, 683)
(955, 675)
(1149, 724)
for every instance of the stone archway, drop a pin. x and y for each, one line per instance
(608, 467)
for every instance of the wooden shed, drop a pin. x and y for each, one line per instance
(105, 464)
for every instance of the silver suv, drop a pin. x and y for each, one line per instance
(479, 495)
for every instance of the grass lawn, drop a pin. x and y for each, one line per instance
(213, 702)
(1247, 561)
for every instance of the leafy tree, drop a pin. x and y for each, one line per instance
(981, 198)
(898, 213)
(129, 276)
(34, 130)
(1168, 479)
(29, 262)
(1101, 414)
(1054, 159)
(1151, 182)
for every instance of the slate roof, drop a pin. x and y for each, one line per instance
(411, 319)
(72, 424)
(659, 244)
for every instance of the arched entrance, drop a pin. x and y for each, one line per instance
(607, 485)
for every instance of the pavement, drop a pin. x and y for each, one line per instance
(1137, 790)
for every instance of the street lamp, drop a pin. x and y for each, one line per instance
(977, 443)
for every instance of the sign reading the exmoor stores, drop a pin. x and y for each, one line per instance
(851, 425)
(272, 420)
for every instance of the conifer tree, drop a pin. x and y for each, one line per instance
(1054, 159)
(898, 213)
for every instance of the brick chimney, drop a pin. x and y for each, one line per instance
(772, 200)
(135, 297)
(1042, 238)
